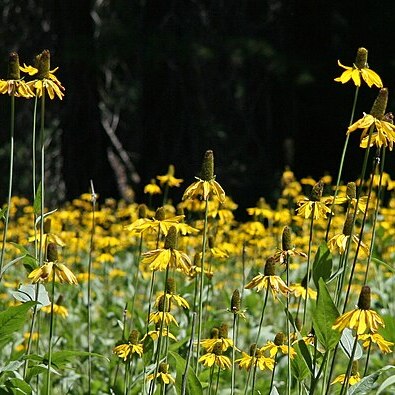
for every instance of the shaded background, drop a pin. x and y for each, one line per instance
(149, 83)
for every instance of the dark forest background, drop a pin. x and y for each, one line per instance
(149, 83)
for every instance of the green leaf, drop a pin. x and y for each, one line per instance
(194, 387)
(324, 316)
(13, 319)
(27, 293)
(299, 366)
(18, 386)
(9, 264)
(390, 268)
(60, 358)
(2, 212)
(322, 265)
(148, 347)
(347, 343)
(365, 385)
(37, 200)
(29, 261)
(388, 382)
(306, 354)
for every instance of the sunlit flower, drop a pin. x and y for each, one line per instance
(132, 346)
(163, 375)
(45, 77)
(218, 338)
(376, 338)
(163, 313)
(354, 376)
(171, 295)
(360, 69)
(169, 179)
(152, 188)
(162, 258)
(14, 85)
(314, 206)
(255, 358)
(57, 309)
(53, 267)
(361, 319)
(216, 357)
(299, 290)
(287, 250)
(154, 335)
(278, 345)
(269, 280)
(206, 186)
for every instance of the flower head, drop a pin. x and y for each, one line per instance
(45, 77)
(216, 357)
(14, 85)
(314, 206)
(255, 358)
(163, 374)
(360, 69)
(126, 350)
(169, 179)
(205, 186)
(384, 129)
(269, 280)
(362, 319)
(278, 345)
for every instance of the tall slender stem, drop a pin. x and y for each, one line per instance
(51, 329)
(11, 171)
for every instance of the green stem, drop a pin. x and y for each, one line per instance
(349, 367)
(11, 171)
(189, 355)
(200, 307)
(365, 371)
(232, 390)
(51, 329)
(308, 274)
(273, 372)
(342, 161)
(34, 170)
(91, 248)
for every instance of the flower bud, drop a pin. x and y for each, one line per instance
(223, 331)
(316, 192)
(279, 339)
(134, 336)
(170, 286)
(347, 227)
(43, 64)
(142, 211)
(351, 190)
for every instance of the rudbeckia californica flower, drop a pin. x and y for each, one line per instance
(132, 346)
(170, 292)
(278, 345)
(45, 77)
(206, 186)
(169, 179)
(162, 258)
(53, 267)
(369, 338)
(354, 377)
(216, 357)
(360, 69)
(14, 85)
(287, 249)
(383, 133)
(269, 280)
(163, 314)
(314, 206)
(218, 336)
(152, 188)
(162, 374)
(256, 358)
(361, 319)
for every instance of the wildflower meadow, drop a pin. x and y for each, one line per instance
(162, 296)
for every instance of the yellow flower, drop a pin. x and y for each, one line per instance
(154, 335)
(384, 134)
(162, 375)
(173, 297)
(219, 340)
(57, 309)
(45, 77)
(169, 178)
(152, 188)
(274, 348)
(354, 379)
(376, 338)
(14, 85)
(256, 359)
(338, 243)
(163, 258)
(269, 280)
(206, 186)
(46, 272)
(126, 350)
(298, 290)
(360, 69)
(361, 319)
(216, 357)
